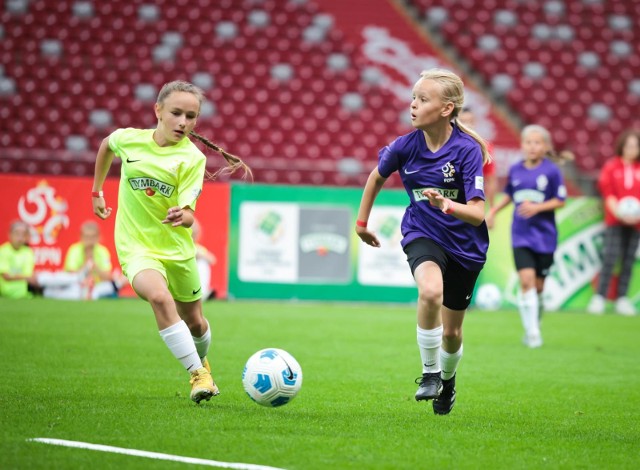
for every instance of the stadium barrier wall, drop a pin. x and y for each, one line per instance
(55, 207)
(299, 243)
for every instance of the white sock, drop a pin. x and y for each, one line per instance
(529, 312)
(178, 339)
(429, 342)
(540, 306)
(202, 343)
(449, 363)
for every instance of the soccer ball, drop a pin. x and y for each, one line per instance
(488, 297)
(272, 377)
(628, 206)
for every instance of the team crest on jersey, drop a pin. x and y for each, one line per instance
(542, 182)
(448, 171)
(151, 186)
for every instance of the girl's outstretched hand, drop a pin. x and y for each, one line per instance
(174, 216)
(99, 208)
(368, 236)
(437, 200)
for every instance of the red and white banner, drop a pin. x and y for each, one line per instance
(55, 207)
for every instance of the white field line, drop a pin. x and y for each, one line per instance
(151, 455)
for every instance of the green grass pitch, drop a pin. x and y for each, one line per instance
(98, 372)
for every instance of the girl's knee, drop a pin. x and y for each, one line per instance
(196, 323)
(452, 334)
(430, 295)
(160, 298)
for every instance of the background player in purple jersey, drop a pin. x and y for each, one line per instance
(536, 187)
(444, 234)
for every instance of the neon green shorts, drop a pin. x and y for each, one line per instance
(182, 276)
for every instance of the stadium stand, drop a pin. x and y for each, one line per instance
(285, 91)
(569, 65)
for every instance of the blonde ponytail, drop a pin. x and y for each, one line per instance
(486, 157)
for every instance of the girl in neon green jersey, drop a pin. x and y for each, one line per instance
(161, 179)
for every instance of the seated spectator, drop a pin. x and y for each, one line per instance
(87, 270)
(17, 263)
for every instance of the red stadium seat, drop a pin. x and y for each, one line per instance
(106, 56)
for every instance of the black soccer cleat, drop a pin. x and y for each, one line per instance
(444, 403)
(430, 386)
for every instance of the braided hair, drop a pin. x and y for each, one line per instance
(234, 163)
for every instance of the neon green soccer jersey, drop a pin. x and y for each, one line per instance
(15, 262)
(76, 259)
(152, 180)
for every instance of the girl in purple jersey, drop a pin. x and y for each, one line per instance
(444, 234)
(536, 187)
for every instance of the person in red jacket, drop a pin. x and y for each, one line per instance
(620, 178)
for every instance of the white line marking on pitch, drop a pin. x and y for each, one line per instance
(151, 455)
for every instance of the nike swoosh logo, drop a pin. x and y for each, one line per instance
(196, 291)
(410, 172)
(131, 161)
(468, 297)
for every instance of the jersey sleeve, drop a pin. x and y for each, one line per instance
(472, 174)
(605, 182)
(30, 262)
(558, 187)
(508, 187)
(388, 160)
(73, 259)
(115, 140)
(190, 187)
(4, 259)
(103, 258)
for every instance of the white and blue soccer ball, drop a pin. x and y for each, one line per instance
(628, 206)
(272, 377)
(488, 297)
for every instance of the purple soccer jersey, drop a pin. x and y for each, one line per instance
(455, 171)
(539, 184)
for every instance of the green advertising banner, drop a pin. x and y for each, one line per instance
(577, 261)
(299, 243)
